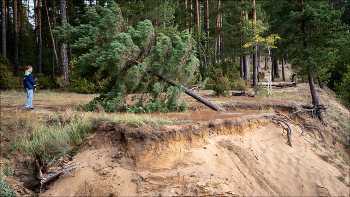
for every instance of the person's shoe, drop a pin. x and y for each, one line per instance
(31, 108)
(26, 108)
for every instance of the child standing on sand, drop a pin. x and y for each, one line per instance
(29, 85)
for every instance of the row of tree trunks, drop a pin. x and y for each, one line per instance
(17, 11)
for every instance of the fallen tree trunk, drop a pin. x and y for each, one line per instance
(278, 84)
(242, 94)
(188, 92)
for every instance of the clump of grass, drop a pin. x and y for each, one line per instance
(271, 110)
(7, 170)
(56, 139)
(327, 157)
(315, 145)
(341, 178)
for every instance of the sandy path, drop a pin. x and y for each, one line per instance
(224, 165)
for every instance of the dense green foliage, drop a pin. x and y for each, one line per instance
(309, 37)
(7, 80)
(224, 32)
(124, 59)
(343, 87)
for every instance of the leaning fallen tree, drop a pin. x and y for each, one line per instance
(107, 52)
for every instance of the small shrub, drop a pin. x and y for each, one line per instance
(240, 84)
(341, 178)
(261, 75)
(5, 189)
(83, 85)
(7, 80)
(258, 89)
(62, 83)
(46, 83)
(271, 110)
(221, 85)
(325, 157)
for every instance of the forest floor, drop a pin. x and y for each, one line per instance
(239, 152)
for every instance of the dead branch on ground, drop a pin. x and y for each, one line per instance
(42, 174)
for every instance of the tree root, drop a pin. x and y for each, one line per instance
(282, 120)
(43, 174)
(315, 111)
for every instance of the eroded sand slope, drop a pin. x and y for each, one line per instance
(252, 159)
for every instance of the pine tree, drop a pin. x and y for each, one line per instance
(129, 61)
(309, 32)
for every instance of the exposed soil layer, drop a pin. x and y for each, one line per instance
(223, 157)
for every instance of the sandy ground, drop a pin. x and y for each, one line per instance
(254, 162)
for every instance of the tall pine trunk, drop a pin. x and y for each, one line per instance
(241, 66)
(40, 43)
(255, 55)
(276, 69)
(313, 90)
(52, 38)
(320, 82)
(283, 75)
(16, 36)
(64, 60)
(3, 28)
(206, 29)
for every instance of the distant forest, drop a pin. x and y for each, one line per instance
(229, 38)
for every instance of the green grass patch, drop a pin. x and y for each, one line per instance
(7, 170)
(138, 121)
(56, 138)
(5, 189)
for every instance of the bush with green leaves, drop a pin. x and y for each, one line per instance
(343, 88)
(241, 84)
(221, 85)
(45, 82)
(5, 189)
(127, 58)
(7, 80)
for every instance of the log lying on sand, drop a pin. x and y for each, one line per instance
(42, 173)
(279, 84)
(242, 94)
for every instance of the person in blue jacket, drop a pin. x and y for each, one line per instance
(29, 85)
